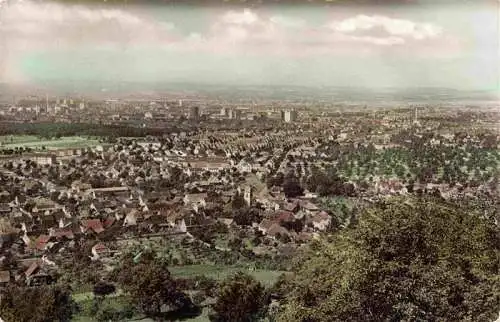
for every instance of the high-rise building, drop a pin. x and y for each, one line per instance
(223, 111)
(290, 116)
(234, 114)
(194, 112)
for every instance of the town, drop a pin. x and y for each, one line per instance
(217, 188)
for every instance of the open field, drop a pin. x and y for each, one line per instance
(266, 277)
(32, 141)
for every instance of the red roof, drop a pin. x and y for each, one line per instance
(92, 224)
(266, 224)
(33, 268)
(291, 206)
(285, 216)
(41, 242)
(109, 222)
(322, 216)
(100, 248)
(64, 232)
(276, 229)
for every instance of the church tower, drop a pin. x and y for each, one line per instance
(248, 195)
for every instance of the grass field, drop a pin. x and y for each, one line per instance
(266, 277)
(31, 141)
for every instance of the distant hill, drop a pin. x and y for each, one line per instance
(249, 92)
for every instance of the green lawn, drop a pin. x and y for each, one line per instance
(266, 277)
(34, 142)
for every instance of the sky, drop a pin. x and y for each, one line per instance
(422, 45)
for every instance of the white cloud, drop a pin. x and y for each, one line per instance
(245, 17)
(404, 29)
(27, 26)
(52, 23)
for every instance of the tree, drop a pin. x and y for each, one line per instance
(292, 187)
(247, 216)
(238, 202)
(150, 286)
(37, 304)
(102, 289)
(413, 260)
(276, 180)
(240, 298)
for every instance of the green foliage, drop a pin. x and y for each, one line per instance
(238, 202)
(419, 260)
(240, 298)
(292, 187)
(147, 281)
(145, 278)
(108, 313)
(103, 289)
(37, 304)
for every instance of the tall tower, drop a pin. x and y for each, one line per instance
(248, 195)
(194, 112)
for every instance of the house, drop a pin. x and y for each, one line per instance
(265, 224)
(37, 274)
(44, 205)
(108, 192)
(91, 225)
(285, 216)
(79, 186)
(276, 230)
(61, 233)
(321, 221)
(100, 250)
(131, 218)
(292, 206)
(5, 278)
(5, 209)
(195, 200)
(309, 207)
(226, 221)
(303, 237)
(41, 242)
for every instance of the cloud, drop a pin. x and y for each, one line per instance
(253, 31)
(396, 31)
(30, 26)
(53, 24)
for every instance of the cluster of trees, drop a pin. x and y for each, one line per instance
(329, 183)
(405, 260)
(37, 304)
(151, 288)
(420, 160)
(57, 130)
(323, 182)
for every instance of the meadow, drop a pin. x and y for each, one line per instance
(218, 272)
(35, 142)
